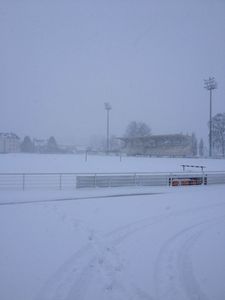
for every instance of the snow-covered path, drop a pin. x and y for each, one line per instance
(157, 246)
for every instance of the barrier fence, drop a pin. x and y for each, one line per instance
(65, 181)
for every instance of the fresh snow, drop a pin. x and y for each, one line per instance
(165, 243)
(76, 163)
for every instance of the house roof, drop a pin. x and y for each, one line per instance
(156, 137)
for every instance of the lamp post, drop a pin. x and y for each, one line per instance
(210, 84)
(108, 108)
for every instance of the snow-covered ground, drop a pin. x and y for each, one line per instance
(142, 243)
(76, 163)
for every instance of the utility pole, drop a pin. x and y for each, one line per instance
(108, 108)
(210, 84)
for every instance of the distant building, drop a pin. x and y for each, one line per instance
(67, 148)
(159, 145)
(39, 145)
(9, 143)
(79, 149)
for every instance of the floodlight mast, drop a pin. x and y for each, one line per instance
(108, 108)
(210, 84)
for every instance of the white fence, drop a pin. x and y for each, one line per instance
(29, 181)
(122, 180)
(63, 181)
(216, 178)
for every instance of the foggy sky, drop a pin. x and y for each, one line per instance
(61, 60)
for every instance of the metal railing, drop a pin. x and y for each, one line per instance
(122, 180)
(65, 181)
(29, 181)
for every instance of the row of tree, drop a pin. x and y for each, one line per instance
(137, 129)
(50, 146)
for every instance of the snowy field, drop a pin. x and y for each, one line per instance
(76, 163)
(116, 244)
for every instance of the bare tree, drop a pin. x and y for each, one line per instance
(194, 144)
(137, 129)
(201, 148)
(218, 132)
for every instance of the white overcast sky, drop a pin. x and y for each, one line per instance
(61, 60)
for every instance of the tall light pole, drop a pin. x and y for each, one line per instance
(108, 108)
(210, 84)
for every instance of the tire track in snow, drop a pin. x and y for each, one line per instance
(174, 277)
(100, 254)
(188, 278)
